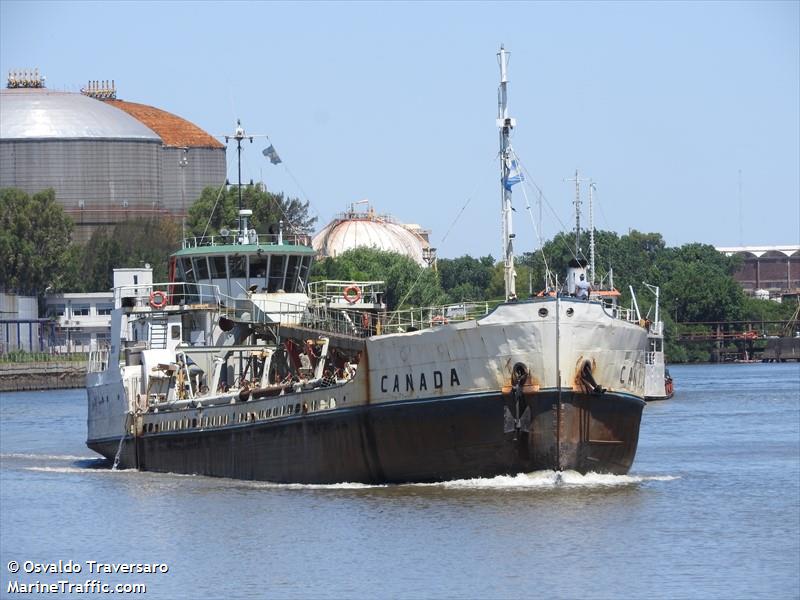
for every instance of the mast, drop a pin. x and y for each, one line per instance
(577, 215)
(591, 234)
(578, 182)
(506, 124)
(239, 135)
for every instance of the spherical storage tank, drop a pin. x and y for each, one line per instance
(107, 160)
(353, 229)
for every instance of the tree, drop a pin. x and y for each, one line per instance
(697, 284)
(131, 243)
(466, 278)
(218, 209)
(407, 283)
(34, 240)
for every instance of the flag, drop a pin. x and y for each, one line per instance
(514, 174)
(272, 155)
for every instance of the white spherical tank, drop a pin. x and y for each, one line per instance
(356, 229)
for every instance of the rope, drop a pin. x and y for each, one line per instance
(211, 216)
(444, 238)
(538, 234)
(552, 210)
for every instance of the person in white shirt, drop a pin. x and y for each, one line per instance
(582, 289)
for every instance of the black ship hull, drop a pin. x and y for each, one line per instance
(438, 439)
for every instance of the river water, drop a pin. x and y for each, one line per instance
(711, 509)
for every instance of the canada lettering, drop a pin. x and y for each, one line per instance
(411, 383)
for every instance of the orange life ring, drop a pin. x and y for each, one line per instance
(439, 320)
(352, 293)
(158, 299)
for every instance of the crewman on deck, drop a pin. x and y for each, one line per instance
(582, 288)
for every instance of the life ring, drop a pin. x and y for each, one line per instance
(158, 299)
(352, 293)
(439, 320)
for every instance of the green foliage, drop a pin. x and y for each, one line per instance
(407, 284)
(268, 209)
(34, 240)
(767, 310)
(467, 278)
(697, 284)
(128, 244)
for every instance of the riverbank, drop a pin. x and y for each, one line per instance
(42, 375)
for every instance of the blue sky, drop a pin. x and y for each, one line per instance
(662, 104)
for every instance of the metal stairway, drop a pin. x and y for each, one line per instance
(158, 334)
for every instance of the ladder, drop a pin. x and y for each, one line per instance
(158, 334)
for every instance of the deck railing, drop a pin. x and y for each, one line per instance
(321, 315)
(249, 238)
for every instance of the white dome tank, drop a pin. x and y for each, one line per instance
(355, 229)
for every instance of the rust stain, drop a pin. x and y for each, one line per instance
(172, 129)
(580, 383)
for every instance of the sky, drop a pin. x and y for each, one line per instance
(686, 115)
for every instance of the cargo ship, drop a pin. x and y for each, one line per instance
(237, 367)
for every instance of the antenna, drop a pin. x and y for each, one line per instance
(741, 215)
(578, 182)
(182, 164)
(240, 135)
(591, 233)
(541, 233)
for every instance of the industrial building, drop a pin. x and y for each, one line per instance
(772, 270)
(108, 160)
(356, 228)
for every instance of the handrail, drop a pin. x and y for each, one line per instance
(141, 295)
(338, 318)
(332, 290)
(257, 239)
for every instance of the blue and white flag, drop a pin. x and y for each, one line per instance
(272, 155)
(514, 174)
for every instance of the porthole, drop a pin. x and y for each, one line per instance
(570, 312)
(542, 312)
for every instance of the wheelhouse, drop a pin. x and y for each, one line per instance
(237, 268)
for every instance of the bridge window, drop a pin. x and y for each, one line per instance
(188, 270)
(292, 271)
(258, 271)
(276, 274)
(217, 266)
(237, 266)
(302, 274)
(201, 268)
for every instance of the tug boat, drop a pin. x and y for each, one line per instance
(237, 367)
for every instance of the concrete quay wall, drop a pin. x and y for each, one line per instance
(45, 375)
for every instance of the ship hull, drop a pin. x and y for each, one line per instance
(427, 440)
